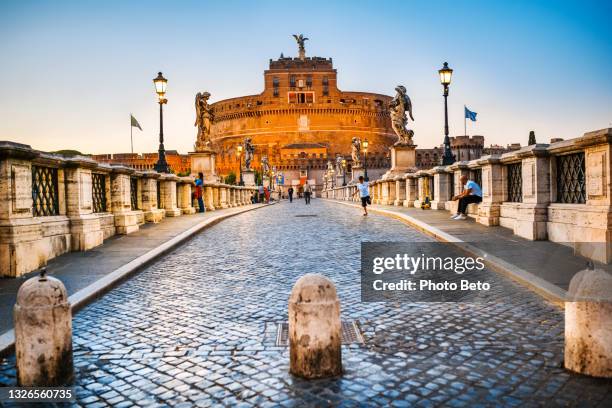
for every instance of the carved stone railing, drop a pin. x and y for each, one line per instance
(52, 204)
(561, 192)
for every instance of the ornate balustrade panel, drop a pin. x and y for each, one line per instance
(45, 191)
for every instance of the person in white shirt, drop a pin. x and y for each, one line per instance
(364, 193)
(471, 194)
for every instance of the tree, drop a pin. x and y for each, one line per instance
(230, 178)
(532, 139)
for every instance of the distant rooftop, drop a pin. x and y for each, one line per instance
(304, 146)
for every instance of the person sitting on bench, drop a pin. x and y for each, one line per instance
(471, 194)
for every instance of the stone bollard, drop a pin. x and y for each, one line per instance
(43, 333)
(588, 324)
(314, 328)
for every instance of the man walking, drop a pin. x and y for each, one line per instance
(363, 188)
(260, 191)
(290, 192)
(199, 186)
(307, 192)
(471, 194)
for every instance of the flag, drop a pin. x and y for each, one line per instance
(469, 114)
(135, 122)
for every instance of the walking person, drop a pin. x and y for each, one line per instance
(290, 192)
(363, 188)
(472, 193)
(307, 192)
(267, 194)
(261, 192)
(199, 187)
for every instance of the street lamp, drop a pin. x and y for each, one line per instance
(364, 145)
(239, 154)
(160, 87)
(344, 172)
(445, 79)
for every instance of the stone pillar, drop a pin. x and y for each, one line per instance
(208, 197)
(314, 328)
(588, 324)
(185, 200)
(223, 196)
(442, 187)
(126, 219)
(400, 190)
(43, 333)
(204, 162)
(388, 191)
(217, 196)
(492, 190)
(168, 195)
(149, 197)
(233, 199)
(411, 190)
(248, 177)
(85, 226)
(528, 217)
(420, 188)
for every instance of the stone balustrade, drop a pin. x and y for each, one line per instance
(52, 204)
(560, 191)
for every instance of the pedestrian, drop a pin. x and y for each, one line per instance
(363, 188)
(261, 192)
(307, 192)
(267, 194)
(290, 192)
(199, 187)
(472, 193)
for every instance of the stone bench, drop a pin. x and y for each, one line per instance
(472, 209)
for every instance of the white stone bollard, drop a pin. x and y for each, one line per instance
(314, 328)
(43, 333)
(588, 324)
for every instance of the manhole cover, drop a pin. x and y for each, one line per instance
(306, 215)
(350, 333)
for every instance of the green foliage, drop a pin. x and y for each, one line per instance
(184, 173)
(258, 177)
(230, 178)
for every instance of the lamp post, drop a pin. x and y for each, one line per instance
(343, 172)
(239, 154)
(445, 78)
(364, 145)
(160, 87)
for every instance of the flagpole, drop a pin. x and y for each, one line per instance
(464, 121)
(131, 130)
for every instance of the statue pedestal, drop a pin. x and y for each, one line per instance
(248, 177)
(204, 162)
(357, 171)
(403, 160)
(339, 180)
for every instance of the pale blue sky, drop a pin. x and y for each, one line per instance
(73, 71)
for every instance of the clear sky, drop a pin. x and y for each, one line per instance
(72, 71)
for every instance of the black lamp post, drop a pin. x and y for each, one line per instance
(160, 87)
(239, 154)
(344, 172)
(445, 78)
(364, 145)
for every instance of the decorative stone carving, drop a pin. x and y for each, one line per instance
(399, 121)
(356, 152)
(204, 119)
(300, 39)
(249, 151)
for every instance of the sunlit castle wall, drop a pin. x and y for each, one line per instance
(301, 105)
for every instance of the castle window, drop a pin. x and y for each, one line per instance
(275, 84)
(309, 81)
(325, 86)
(292, 81)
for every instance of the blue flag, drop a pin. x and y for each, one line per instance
(469, 114)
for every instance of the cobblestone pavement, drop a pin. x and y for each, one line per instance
(196, 328)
